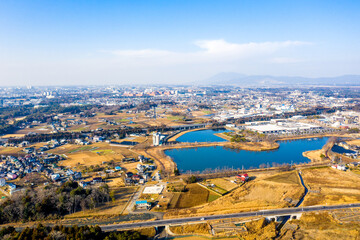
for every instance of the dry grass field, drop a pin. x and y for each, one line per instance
(92, 155)
(257, 194)
(194, 195)
(331, 186)
(115, 182)
(85, 159)
(314, 155)
(354, 142)
(174, 199)
(13, 136)
(194, 237)
(11, 151)
(288, 177)
(201, 228)
(43, 128)
(322, 226)
(223, 183)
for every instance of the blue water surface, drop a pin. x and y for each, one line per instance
(339, 149)
(201, 158)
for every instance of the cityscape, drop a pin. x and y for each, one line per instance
(192, 120)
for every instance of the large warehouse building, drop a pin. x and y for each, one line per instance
(283, 127)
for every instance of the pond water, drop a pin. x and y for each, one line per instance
(339, 149)
(202, 136)
(202, 158)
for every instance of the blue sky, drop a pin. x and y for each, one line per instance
(120, 42)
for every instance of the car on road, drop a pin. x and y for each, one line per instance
(202, 219)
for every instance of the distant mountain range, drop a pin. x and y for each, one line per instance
(237, 79)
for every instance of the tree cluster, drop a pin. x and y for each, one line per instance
(51, 202)
(62, 233)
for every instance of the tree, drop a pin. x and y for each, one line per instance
(191, 179)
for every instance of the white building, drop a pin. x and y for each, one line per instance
(153, 189)
(2, 182)
(157, 138)
(283, 127)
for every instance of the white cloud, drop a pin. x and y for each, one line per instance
(209, 51)
(222, 47)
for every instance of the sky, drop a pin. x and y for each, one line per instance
(174, 42)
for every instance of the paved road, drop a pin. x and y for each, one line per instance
(134, 198)
(273, 212)
(305, 188)
(284, 221)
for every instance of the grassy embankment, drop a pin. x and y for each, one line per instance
(321, 226)
(264, 192)
(331, 186)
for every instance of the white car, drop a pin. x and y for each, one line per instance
(202, 219)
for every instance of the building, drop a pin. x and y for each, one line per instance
(55, 177)
(339, 167)
(143, 204)
(156, 139)
(153, 189)
(283, 127)
(243, 177)
(2, 182)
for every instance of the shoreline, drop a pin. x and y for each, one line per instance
(176, 136)
(165, 160)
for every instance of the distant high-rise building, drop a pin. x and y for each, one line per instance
(156, 139)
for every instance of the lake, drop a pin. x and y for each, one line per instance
(341, 150)
(201, 158)
(202, 136)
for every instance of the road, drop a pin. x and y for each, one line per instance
(134, 198)
(305, 190)
(272, 212)
(298, 204)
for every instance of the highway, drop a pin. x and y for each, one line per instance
(272, 212)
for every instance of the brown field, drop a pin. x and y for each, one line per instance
(94, 154)
(85, 159)
(204, 238)
(331, 186)
(256, 194)
(322, 226)
(288, 177)
(174, 199)
(115, 182)
(354, 142)
(314, 155)
(201, 228)
(64, 149)
(201, 113)
(36, 129)
(149, 232)
(195, 195)
(13, 136)
(223, 183)
(10, 150)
